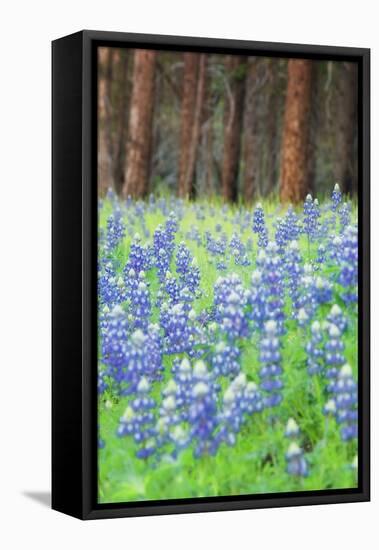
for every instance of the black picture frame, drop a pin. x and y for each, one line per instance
(74, 273)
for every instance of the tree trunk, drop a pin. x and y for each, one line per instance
(250, 145)
(345, 168)
(105, 167)
(293, 184)
(191, 64)
(314, 128)
(108, 105)
(121, 122)
(195, 135)
(272, 125)
(140, 124)
(235, 66)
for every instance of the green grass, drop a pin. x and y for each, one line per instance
(256, 464)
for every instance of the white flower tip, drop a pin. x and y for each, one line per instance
(200, 389)
(334, 332)
(169, 403)
(128, 414)
(200, 369)
(138, 337)
(185, 365)
(271, 326)
(292, 427)
(336, 310)
(302, 314)
(346, 371)
(143, 385)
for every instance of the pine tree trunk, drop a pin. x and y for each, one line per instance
(250, 145)
(108, 104)
(121, 134)
(195, 135)
(191, 64)
(272, 125)
(345, 168)
(105, 175)
(140, 125)
(294, 166)
(235, 66)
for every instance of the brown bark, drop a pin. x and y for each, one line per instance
(121, 133)
(191, 63)
(140, 124)
(314, 128)
(250, 146)
(293, 185)
(108, 105)
(105, 171)
(272, 125)
(235, 66)
(195, 135)
(346, 128)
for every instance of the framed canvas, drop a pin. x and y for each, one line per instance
(210, 274)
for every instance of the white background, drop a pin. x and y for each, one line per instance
(26, 31)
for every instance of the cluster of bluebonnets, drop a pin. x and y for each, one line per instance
(300, 272)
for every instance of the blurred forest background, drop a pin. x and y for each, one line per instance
(239, 127)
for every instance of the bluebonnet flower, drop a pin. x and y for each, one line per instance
(334, 353)
(172, 288)
(345, 215)
(292, 225)
(115, 232)
(138, 420)
(348, 276)
(170, 419)
(216, 247)
(101, 383)
(113, 344)
(272, 286)
(296, 462)
(314, 291)
(311, 217)
(315, 350)
(292, 430)
(337, 318)
(321, 254)
(259, 225)
(140, 306)
(179, 331)
(153, 351)
(139, 256)
(225, 359)
(294, 269)
(192, 278)
(111, 287)
(270, 372)
(183, 259)
(336, 197)
(172, 225)
(344, 390)
(302, 317)
(257, 299)
(183, 377)
(322, 291)
(281, 235)
(231, 418)
(230, 299)
(202, 418)
(162, 262)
